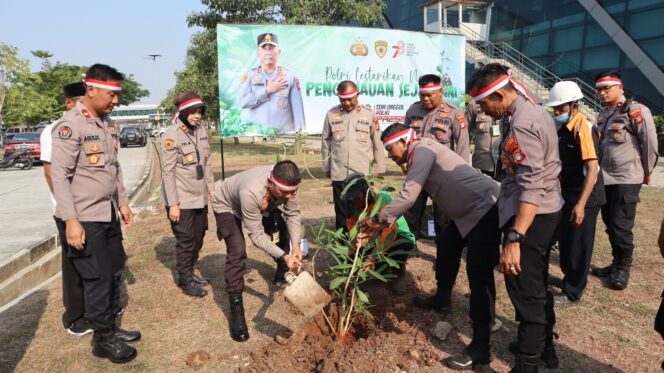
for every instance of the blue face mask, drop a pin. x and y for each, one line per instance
(561, 119)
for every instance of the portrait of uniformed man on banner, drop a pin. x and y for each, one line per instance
(270, 93)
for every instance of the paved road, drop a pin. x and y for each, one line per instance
(26, 215)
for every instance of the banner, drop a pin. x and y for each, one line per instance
(288, 83)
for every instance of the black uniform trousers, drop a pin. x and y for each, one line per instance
(229, 229)
(72, 285)
(340, 208)
(414, 217)
(528, 290)
(100, 265)
(189, 233)
(576, 246)
(618, 215)
(483, 242)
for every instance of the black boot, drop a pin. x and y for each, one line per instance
(526, 363)
(549, 355)
(280, 274)
(604, 271)
(239, 331)
(439, 302)
(190, 287)
(620, 278)
(200, 279)
(106, 344)
(127, 335)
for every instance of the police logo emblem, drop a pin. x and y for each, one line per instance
(280, 103)
(482, 126)
(282, 92)
(519, 156)
(359, 48)
(380, 46)
(111, 129)
(94, 148)
(190, 157)
(243, 77)
(64, 133)
(268, 38)
(86, 113)
(168, 143)
(93, 159)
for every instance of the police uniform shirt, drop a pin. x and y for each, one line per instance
(242, 195)
(530, 161)
(445, 124)
(87, 179)
(487, 137)
(351, 139)
(282, 110)
(629, 143)
(464, 193)
(181, 185)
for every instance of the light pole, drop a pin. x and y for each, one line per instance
(154, 57)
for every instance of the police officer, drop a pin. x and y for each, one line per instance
(433, 117)
(187, 183)
(87, 183)
(73, 318)
(272, 92)
(629, 155)
(529, 206)
(351, 137)
(582, 188)
(487, 138)
(469, 198)
(253, 198)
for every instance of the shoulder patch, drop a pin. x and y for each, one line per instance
(376, 124)
(461, 120)
(86, 114)
(636, 115)
(243, 77)
(64, 133)
(297, 83)
(168, 143)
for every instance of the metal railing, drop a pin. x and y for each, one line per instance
(537, 79)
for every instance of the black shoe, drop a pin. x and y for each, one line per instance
(128, 335)
(526, 363)
(106, 344)
(239, 330)
(434, 302)
(200, 280)
(466, 360)
(556, 282)
(280, 274)
(619, 279)
(562, 301)
(603, 271)
(79, 327)
(192, 288)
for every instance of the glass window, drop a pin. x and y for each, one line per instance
(432, 14)
(601, 58)
(653, 48)
(537, 45)
(636, 4)
(596, 36)
(643, 25)
(567, 39)
(569, 20)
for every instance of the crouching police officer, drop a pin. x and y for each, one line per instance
(188, 181)
(88, 189)
(469, 198)
(253, 198)
(629, 155)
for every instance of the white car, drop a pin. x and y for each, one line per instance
(159, 131)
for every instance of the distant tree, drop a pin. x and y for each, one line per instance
(13, 71)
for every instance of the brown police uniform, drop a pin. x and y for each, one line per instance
(240, 200)
(530, 167)
(629, 152)
(469, 198)
(447, 125)
(87, 183)
(487, 138)
(349, 139)
(187, 180)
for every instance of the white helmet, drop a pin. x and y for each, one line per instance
(563, 92)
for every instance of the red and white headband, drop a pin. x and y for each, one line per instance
(500, 83)
(430, 87)
(607, 81)
(349, 94)
(190, 103)
(282, 184)
(408, 134)
(112, 86)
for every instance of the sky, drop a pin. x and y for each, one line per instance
(119, 33)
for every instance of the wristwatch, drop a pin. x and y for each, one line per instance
(515, 236)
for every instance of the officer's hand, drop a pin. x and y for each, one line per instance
(75, 234)
(174, 214)
(510, 259)
(275, 84)
(127, 216)
(578, 212)
(646, 179)
(297, 252)
(328, 174)
(293, 263)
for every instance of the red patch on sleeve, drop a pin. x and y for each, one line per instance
(297, 83)
(376, 124)
(636, 115)
(461, 120)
